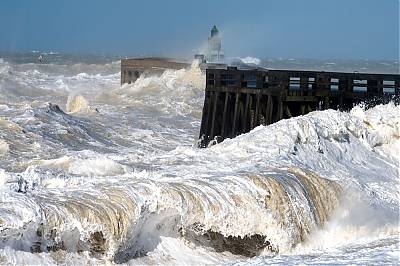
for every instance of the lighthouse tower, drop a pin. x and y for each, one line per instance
(214, 53)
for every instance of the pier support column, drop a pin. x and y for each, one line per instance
(205, 119)
(268, 115)
(302, 109)
(235, 116)
(215, 101)
(341, 103)
(224, 116)
(257, 112)
(280, 109)
(326, 103)
(246, 113)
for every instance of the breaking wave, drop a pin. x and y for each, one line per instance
(75, 103)
(126, 222)
(127, 184)
(251, 60)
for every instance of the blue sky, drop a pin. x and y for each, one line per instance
(326, 29)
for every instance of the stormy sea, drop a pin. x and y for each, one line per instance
(93, 172)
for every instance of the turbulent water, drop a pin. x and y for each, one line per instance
(92, 172)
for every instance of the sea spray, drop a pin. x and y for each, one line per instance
(127, 184)
(75, 103)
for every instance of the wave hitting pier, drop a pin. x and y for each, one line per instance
(237, 100)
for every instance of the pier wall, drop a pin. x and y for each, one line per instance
(132, 69)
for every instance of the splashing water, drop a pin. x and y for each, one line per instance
(116, 177)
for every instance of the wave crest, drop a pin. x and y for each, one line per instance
(251, 60)
(76, 103)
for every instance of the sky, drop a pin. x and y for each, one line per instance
(322, 29)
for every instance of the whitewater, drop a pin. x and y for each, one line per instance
(93, 172)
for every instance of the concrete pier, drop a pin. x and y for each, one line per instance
(132, 69)
(237, 100)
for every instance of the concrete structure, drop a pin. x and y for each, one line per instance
(214, 52)
(132, 69)
(237, 100)
(214, 59)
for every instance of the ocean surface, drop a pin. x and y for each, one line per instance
(95, 173)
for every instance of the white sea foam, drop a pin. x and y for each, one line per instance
(75, 103)
(126, 184)
(251, 60)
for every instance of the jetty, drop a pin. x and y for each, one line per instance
(132, 69)
(239, 99)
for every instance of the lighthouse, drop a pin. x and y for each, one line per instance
(214, 52)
